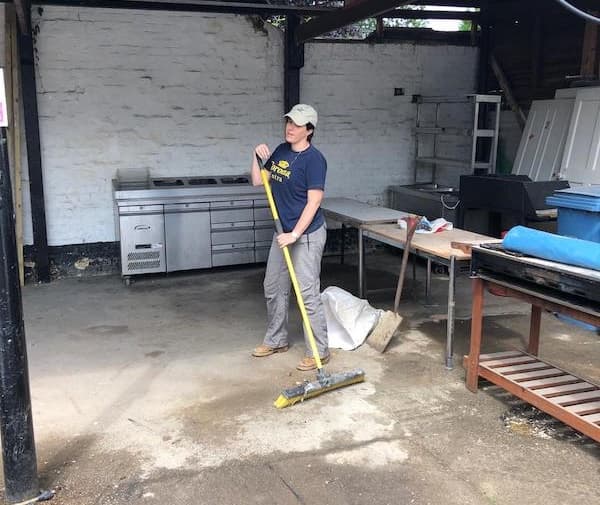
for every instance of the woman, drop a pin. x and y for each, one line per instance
(297, 175)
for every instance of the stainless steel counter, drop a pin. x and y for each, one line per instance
(183, 223)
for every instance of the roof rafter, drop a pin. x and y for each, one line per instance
(193, 5)
(345, 16)
(21, 8)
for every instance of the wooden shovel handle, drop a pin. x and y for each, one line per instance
(412, 223)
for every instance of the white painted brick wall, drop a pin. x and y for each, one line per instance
(366, 132)
(176, 93)
(191, 94)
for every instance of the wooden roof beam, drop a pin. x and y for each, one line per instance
(345, 16)
(219, 6)
(475, 4)
(21, 9)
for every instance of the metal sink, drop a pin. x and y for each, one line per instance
(166, 183)
(202, 181)
(235, 180)
(434, 188)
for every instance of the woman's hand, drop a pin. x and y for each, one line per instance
(285, 239)
(263, 151)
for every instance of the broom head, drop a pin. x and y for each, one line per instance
(323, 384)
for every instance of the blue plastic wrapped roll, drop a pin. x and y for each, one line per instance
(572, 251)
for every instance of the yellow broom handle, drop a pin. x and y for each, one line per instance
(286, 254)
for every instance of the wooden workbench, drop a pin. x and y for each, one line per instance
(435, 247)
(571, 399)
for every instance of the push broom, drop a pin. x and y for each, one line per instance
(324, 382)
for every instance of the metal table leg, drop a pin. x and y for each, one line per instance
(361, 264)
(343, 243)
(450, 323)
(428, 281)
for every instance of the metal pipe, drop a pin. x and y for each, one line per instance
(451, 310)
(579, 12)
(16, 424)
(361, 265)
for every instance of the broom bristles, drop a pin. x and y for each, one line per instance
(311, 389)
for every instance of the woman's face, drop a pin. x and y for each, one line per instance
(295, 134)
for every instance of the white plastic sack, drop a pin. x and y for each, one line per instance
(349, 319)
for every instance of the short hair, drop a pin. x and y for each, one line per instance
(310, 126)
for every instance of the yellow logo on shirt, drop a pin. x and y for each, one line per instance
(280, 170)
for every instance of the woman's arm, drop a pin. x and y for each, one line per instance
(314, 199)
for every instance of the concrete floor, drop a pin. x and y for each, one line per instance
(148, 395)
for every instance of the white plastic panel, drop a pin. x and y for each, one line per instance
(566, 93)
(543, 140)
(581, 160)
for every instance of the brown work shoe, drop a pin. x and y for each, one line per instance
(309, 363)
(264, 350)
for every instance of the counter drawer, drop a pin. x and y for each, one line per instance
(231, 216)
(232, 236)
(232, 257)
(262, 214)
(263, 234)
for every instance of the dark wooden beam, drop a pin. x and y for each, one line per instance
(345, 16)
(21, 7)
(34, 154)
(193, 6)
(508, 93)
(484, 47)
(293, 62)
(589, 51)
(421, 14)
(474, 4)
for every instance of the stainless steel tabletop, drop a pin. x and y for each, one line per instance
(354, 213)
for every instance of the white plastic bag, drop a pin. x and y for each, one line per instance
(349, 319)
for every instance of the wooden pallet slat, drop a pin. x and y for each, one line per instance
(592, 418)
(499, 355)
(538, 374)
(550, 382)
(577, 387)
(584, 408)
(528, 367)
(516, 360)
(566, 400)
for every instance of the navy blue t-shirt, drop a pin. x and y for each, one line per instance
(292, 175)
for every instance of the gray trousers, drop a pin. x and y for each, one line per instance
(306, 255)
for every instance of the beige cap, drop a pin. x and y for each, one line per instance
(302, 114)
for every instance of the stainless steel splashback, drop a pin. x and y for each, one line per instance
(167, 188)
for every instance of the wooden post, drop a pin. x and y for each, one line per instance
(484, 47)
(533, 347)
(34, 154)
(589, 52)
(504, 84)
(13, 100)
(379, 28)
(476, 330)
(293, 61)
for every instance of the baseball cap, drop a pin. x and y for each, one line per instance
(302, 114)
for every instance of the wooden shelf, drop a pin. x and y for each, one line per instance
(568, 398)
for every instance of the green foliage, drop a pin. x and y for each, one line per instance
(465, 26)
(358, 30)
